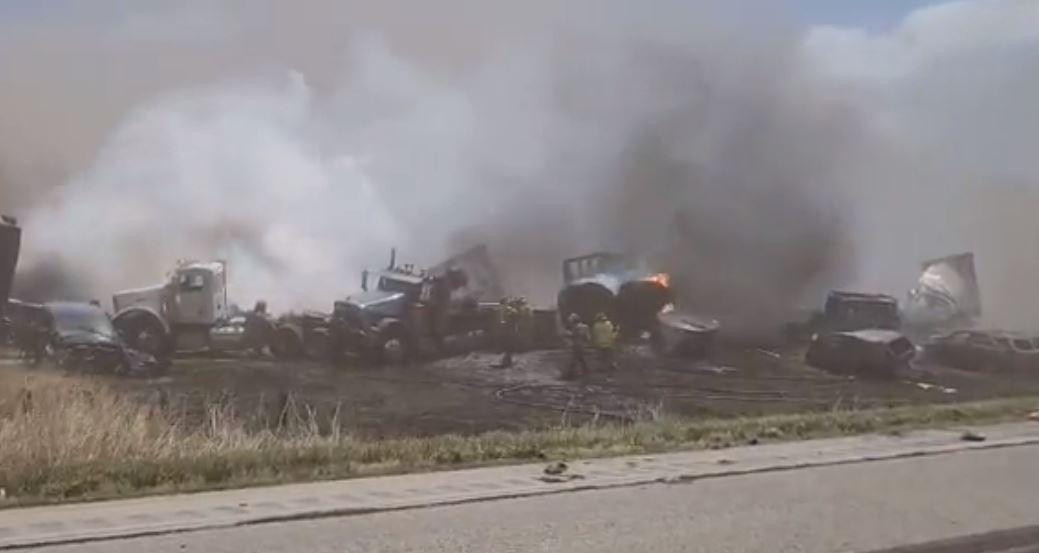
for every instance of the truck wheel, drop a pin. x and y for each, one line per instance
(394, 348)
(286, 344)
(144, 333)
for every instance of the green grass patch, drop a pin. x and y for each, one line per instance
(75, 441)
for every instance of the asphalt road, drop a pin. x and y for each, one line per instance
(854, 507)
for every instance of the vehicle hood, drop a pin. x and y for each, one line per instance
(374, 299)
(87, 338)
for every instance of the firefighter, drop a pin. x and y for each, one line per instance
(511, 316)
(579, 335)
(604, 338)
(256, 332)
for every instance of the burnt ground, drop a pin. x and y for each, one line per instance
(468, 394)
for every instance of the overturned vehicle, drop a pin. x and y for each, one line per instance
(946, 296)
(79, 337)
(871, 352)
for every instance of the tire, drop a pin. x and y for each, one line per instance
(143, 332)
(394, 348)
(286, 343)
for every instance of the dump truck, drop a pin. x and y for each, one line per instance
(402, 312)
(187, 312)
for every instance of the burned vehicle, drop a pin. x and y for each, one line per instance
(989, 351)
(850, 311)
(846, 311)
(10, 244)
(946, 296)
(618, 286)
(80, 337)
(402, 313)
(189, 312)
(872, 352)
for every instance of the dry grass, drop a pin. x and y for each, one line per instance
(67, 439)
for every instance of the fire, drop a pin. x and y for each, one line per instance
(662, 279)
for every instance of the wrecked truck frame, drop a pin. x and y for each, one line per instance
(402, 312)
(616, 285)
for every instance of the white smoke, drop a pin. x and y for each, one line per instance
(516, 124)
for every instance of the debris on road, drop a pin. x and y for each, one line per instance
(556, 473)
(556, 468)
(971, 436)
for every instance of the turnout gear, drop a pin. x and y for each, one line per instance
(514, 314)
(579, 335)
(604, 338)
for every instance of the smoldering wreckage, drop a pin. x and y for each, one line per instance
(402, 313)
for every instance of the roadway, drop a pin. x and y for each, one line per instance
(860, 506)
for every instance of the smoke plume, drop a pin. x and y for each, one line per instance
(758, 161)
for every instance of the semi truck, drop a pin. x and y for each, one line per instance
(190, 312)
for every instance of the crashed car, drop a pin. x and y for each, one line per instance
(871, 352)
(80, 337)
(990, 350)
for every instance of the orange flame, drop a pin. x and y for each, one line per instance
(662, 279)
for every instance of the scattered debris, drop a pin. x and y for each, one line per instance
(717, 369)
(685, 335)
(971, 436)
(726, 462)
(769, 353)
(929, 386)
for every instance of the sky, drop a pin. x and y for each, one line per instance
(871, 14)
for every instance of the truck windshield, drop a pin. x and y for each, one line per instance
(394, 285)
(192, 282)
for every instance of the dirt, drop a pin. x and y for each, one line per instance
(470, 394)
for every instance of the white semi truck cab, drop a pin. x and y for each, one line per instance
(178, 314)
